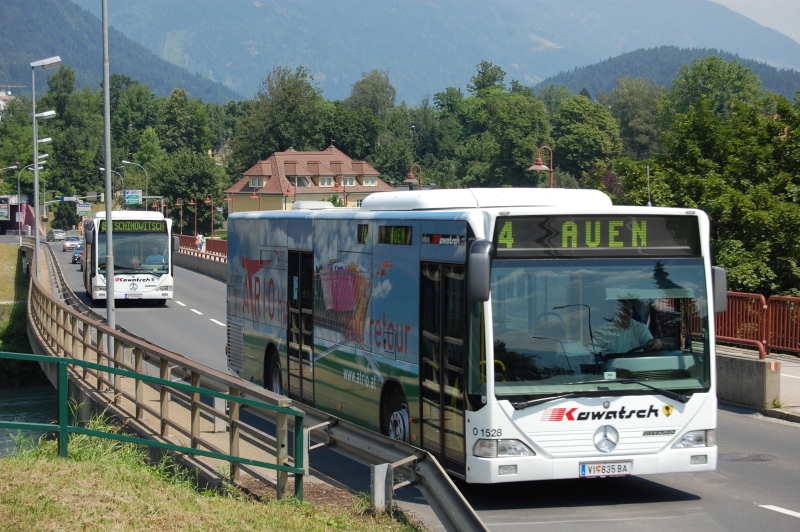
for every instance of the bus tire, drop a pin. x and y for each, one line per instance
(396, 416)
(272, 373)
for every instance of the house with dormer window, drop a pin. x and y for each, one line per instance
(288, 176)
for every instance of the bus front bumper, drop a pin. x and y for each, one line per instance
(520, 469)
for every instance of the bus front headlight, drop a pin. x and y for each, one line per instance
(697, 438)
(500, 449)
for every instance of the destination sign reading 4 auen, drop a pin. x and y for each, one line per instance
(135, 226)
(597, 236)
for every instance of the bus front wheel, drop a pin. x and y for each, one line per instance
(397, 419)
(272, 377)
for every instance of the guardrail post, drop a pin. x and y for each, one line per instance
(219, 422)
(195, 410)
(61, 333)
(381, 484)
(164, 397)
(100, 359)
(63, 412)
(116, 379)
(87, 343)
(139, 385)
(282, 450)
(74, 334)
(302, 437)
(233, 435)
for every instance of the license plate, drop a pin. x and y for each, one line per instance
(133, 296)
(606, 469)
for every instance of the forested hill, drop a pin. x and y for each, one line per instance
(661, 65)
(427, 45)
(39, 29)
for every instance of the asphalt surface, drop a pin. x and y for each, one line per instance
(742, 494)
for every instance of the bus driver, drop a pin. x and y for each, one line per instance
(155, 257)
(624, 334)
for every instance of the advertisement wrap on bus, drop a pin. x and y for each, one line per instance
(516, 334)
(142, 256)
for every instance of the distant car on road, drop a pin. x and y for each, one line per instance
(56, 234)
(71, 242)
(77, 255)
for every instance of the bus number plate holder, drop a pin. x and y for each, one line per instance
(606, 469)
(133, 296)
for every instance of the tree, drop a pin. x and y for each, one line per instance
(489, 77)
(584, 133)
(634, 103)
(288, 111)
(552, 96)
(183, 123)
(150, 148)
(374, 92)
(136, 109)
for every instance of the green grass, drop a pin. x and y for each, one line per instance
(108, 485)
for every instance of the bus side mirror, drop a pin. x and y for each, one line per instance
(719, 282)
(176, 242)
(480, 270)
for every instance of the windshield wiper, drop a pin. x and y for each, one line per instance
(666, 393)
(533, 402)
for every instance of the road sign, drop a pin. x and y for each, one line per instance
(68, 198)
(20, 217)
(84, 209)
(133, 197)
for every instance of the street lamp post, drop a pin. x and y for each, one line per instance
(46, 64)
(19, 221)
(411, 181)
(14, 167)
(539, 165)
(210, 199)
(194, 204)
(146, 178)
(178, 203)
(122, 179)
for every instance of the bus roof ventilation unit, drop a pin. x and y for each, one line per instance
(475, 198)
(309, 205)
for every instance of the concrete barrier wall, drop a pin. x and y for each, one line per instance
(215, 269)
(748, 382)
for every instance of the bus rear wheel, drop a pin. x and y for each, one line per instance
(396, 424)
(272, 375)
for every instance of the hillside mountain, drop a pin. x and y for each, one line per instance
(661, 65)
(428, 45)
(36, 29)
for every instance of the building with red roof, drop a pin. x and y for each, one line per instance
(288, 176)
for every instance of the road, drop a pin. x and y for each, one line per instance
(740, 495)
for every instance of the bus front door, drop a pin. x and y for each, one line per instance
(300, 333)
(443, 312)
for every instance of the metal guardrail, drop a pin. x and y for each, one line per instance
(66, 332)
(350, 440)
(63, 429)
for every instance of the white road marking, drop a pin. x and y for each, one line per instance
(218, 322)
(181, 304)
(582, 521)
(790, 376)
(779, 509)
(196, 311)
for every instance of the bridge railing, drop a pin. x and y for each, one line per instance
(122, 375)
(63, 429)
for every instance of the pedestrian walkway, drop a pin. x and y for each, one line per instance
(790, 381)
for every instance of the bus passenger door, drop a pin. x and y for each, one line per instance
(443, 319)
(300, 332)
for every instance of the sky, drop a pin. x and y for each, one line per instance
(780, 15)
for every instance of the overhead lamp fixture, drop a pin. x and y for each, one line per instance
(47, 64)
(46, 115)
(44, 156)
(46, 140)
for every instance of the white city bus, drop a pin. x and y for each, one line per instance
(488, 326)
(142, 256)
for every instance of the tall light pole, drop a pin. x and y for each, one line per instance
(111, 320)
(46, 64)
(146, 178)
(210, 199)
(122, 179)
(194, 204)
(539, 165)
(19, 221)
(179, 204)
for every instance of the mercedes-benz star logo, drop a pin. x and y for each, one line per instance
(133, 287)
(606, 438)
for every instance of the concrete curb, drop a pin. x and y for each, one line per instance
(780, 413)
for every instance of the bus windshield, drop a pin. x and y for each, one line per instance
(574, 326)
(136, 252)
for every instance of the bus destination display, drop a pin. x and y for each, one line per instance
(596, 236)
(135, 226)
